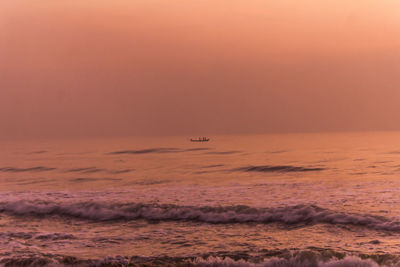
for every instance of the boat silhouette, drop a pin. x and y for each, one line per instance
(200, 139)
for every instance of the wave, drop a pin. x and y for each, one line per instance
(301, 258)
(224, 152)
(278, 151)
(277, 168)
(290, 215)
(90, 170)
(86, 170)
(38, 152)
(350, 261)
(54, 236)
(35, 235)
(212, 166)
(146, 151)
(161, 150)
(32, 169)
(196, 149)
(89, 179)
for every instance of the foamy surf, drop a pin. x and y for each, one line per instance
(291, 215)
(283, 259)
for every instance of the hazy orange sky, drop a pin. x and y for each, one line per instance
(72, 68)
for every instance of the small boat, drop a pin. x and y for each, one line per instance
(200, 139)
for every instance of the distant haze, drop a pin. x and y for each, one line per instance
(82, 68)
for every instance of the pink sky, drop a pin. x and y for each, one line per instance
(73, 68)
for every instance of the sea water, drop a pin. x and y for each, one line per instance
(321, 199)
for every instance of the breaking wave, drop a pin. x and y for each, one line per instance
(302, 258)
(290, 215)
(350, 261)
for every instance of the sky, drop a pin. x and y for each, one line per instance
(88, 68)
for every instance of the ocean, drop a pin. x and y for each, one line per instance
(318, 199)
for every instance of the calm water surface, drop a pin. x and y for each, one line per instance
(316, 199)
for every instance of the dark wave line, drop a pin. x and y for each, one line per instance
(89, 170)
(86, 170)
(290, 215)
(278, 151)
(196, 149)
(146, 151)
(213, 166)
(32, 169)
(224, 152)
(277, 168)
(120, 171)
(161, 150)
(90, 179)
(38, 152)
